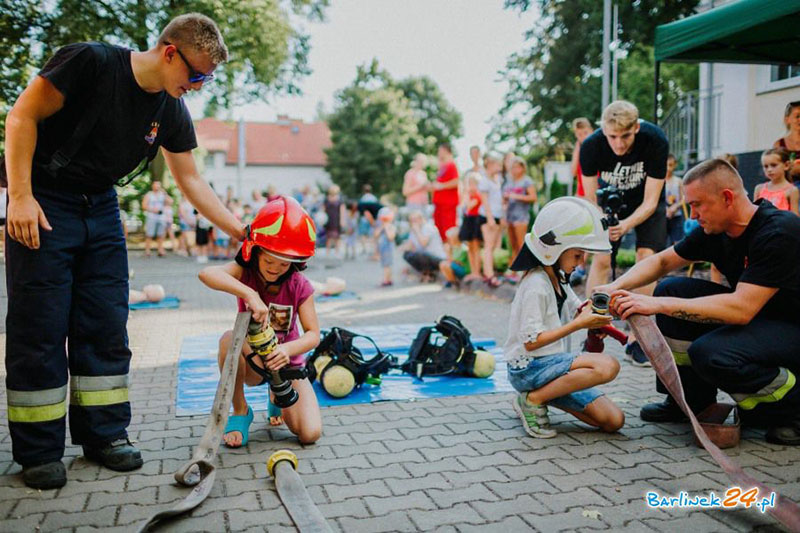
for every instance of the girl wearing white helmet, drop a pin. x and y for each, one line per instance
(545, 363)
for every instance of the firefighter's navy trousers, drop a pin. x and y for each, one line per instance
(66, 328)
(756, 364)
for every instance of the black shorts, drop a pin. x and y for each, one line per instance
(470, 229)
(652, 233)
(201, 237)
(483, 220)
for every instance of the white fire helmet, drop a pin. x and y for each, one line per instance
(566, 223)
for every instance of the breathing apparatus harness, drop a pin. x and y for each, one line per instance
(337, 349)
(451, 352)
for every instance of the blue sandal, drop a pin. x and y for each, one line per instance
(240, 423)
(273, 410)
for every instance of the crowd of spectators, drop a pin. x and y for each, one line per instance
(454, 226)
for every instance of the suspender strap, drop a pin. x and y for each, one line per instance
(62, 157)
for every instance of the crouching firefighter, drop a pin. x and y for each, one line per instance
(94, 115)
(743, 339)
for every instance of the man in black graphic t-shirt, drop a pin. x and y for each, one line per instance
(742, 339)
(631, 155)
(69, 279)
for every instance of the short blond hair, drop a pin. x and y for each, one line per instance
(621, 114)
(198, 32)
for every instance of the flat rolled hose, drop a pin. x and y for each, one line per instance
(282, 465)
(199, 472)
(658, 352)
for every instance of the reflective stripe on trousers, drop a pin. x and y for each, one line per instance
(90, 391)
(773, 392)
(37, 406)
(680, 351)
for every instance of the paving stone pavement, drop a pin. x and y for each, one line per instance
(448, 464)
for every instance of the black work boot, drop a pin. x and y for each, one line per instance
(47, 476)
(119, 455)
(787, 434)
(666, 411)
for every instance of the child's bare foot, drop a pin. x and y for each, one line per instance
(275, 420)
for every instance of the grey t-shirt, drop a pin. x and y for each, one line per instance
(518, 211)
(431, 234)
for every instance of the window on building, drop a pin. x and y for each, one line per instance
(784, 72)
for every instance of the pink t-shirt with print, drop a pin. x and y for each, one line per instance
(282, 306)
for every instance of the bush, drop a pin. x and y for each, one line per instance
(502, 259)
(626, 257)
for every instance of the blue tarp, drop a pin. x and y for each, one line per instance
(198, 374)
(169, 302)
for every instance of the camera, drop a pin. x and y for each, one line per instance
(263, 342)
(610, 200)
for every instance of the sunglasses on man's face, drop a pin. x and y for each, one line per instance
(194, 74)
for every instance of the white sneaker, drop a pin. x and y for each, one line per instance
(534, 417)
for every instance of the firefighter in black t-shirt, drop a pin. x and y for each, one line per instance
(66, 261)
(743, 339)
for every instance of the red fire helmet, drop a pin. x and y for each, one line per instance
(284, 229)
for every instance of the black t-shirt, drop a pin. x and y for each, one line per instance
(628, 173)
(766, 254)
(126, 128)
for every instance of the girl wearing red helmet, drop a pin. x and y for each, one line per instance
(266, 279)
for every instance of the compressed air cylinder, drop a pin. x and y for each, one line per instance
(484, 364)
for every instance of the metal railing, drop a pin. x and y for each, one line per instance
(692, 127)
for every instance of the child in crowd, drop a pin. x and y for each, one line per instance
(491, 214)
(470, 231)
(385, 233)
(221, 242)
(778, 190)
(187, 220)
(266, 278)
(673, 190)
(456, 264)
(545, 363)
(247, 213)
(334, 208)
(168, 219)
(520, 194)
(350, 226)
(202, 237)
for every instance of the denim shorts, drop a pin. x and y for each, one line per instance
(542, 370)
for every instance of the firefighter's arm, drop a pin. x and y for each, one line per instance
(738, 307)
(200, 194)
(38, 101)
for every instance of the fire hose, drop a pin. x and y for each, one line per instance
(199, 472)
(658, 352)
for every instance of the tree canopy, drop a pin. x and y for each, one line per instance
(558, 76)
(268, 51)
(379, 123)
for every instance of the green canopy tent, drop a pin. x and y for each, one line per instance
(745, 31)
